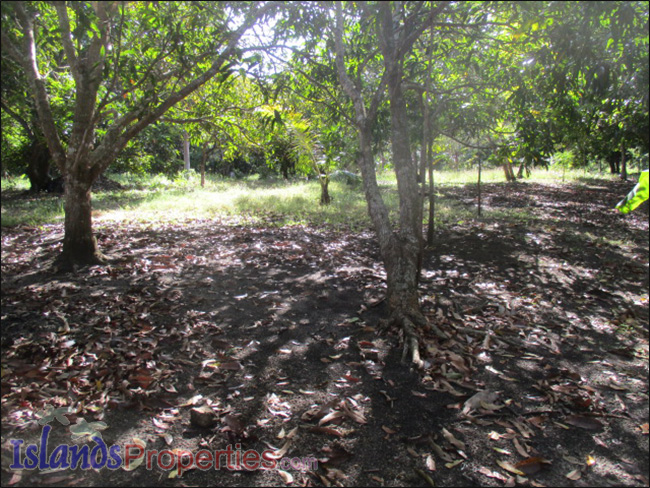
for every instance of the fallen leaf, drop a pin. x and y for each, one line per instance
(388, 430)
(531, 465)
(358, 417)
(452, 440)
(325, 430)
(520, 449)
(336, 456)
(335, 414)
(430, 463)
(491, 474)
(502, 451)
(231, 365)
(280, 452)
(286, 477)
(453, 464)
(133, 464)
(587, 423)
(574, 475)
(510, 468)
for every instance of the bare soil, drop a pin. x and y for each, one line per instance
(276, 329)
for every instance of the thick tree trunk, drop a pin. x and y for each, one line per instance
(38, 166)
(79, 244)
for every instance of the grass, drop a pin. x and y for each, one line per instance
(254, 201)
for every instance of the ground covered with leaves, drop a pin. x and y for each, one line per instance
(206, 334)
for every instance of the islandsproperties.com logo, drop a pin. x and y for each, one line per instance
(131, 455)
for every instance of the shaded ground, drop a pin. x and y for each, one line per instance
(276, 330)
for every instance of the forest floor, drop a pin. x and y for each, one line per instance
(204, 334)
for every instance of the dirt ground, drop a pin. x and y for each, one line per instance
(271, 337)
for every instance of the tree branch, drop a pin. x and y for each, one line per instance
(43, 108)
(66, 39)
(18, 118)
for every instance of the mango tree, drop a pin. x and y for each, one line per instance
(126, 65)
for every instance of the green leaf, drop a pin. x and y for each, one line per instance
(637, 196)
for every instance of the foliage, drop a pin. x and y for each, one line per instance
(637, 195)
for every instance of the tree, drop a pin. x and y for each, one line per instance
(127, 64)
(29, 148)
(584, 80)
(397, 27)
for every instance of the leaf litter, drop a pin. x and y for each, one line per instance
(546, 359)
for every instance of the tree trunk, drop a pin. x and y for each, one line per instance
(400, 248)
(432, 201)
(479, 186)
(186, 150)
(520, 173)
(38, 165)
(507, 169)
(325, 198)
(623, 163)
(204, 156)
(79, 244)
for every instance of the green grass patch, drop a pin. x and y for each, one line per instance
(30, 210)
(252, 200)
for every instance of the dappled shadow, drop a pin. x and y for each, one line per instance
(277, 327)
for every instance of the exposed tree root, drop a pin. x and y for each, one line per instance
(409, 322)
(65, 262)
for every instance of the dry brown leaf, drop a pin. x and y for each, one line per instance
(286, 477)
(138, 461)
(491, 474)
(510, 468)
(335, 414)
(388, 430)
(325, 430)
(231, 365)
(520, 449)
(574, 475)
(440, 453)
(430, 463)
(587, 423)
(525, 431)
(531, 465)
(453, 464)
(358, 417)
(494, 435)
(281, 452)
(452, 440)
